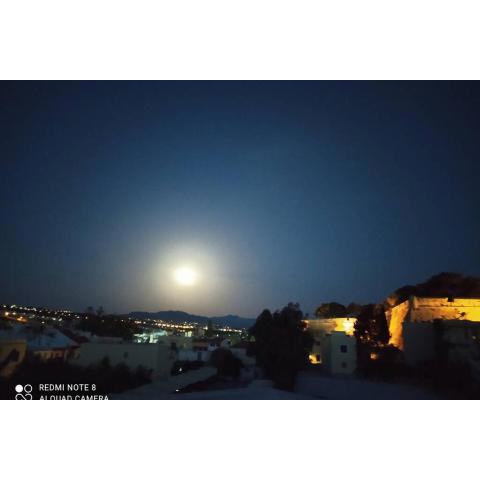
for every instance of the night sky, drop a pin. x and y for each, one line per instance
(271, 191)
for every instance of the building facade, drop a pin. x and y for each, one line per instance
(427, 309)
(339, 353)
(153, 356)
(334, 344)
(419, 324)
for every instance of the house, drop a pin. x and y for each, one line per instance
(84, 336)
(52, 344)
(326, 340)
(149, 337)
(44, 342)
(202, 348)
(199, 349)
(175, 342)
(339, 356)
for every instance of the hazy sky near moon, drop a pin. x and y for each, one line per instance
(271, 191)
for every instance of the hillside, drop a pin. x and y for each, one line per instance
(177, 316)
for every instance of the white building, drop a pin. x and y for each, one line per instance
(339, 356)
(191, 355)
(201, 350)
(327, 333)
(175, 342)
(154, 356)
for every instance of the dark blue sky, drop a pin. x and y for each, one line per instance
(272, 191)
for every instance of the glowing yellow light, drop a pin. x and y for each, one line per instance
(185, 276)
(373, 356)
(314, 359)
(346, 325)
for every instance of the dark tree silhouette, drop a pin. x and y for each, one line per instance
(331, 310)
(371, 331)
(371, 325)
(445, 284)
(354, 309)
(226, 363)
(109, 326)
(282, 344)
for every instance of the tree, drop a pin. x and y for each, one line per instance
(371, 331)
(226, 363)
(282, 344)
(354, 309)
(444, 284)
(109, 326)
(331, 310)
(100, 311)
(371, 325)
(90, 311)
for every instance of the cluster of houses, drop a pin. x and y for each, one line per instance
(41, 341)
(155, 351)
(416, 326)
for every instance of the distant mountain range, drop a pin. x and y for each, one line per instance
(177, 316)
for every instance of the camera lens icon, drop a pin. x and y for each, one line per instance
(23, 392)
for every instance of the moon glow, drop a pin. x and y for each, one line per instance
(185, 276)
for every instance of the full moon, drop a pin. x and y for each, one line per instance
(185, 276)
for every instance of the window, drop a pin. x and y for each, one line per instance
(343, 348)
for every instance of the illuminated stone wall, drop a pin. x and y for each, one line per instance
(428, 309)
(395, 318)
(423, 309)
